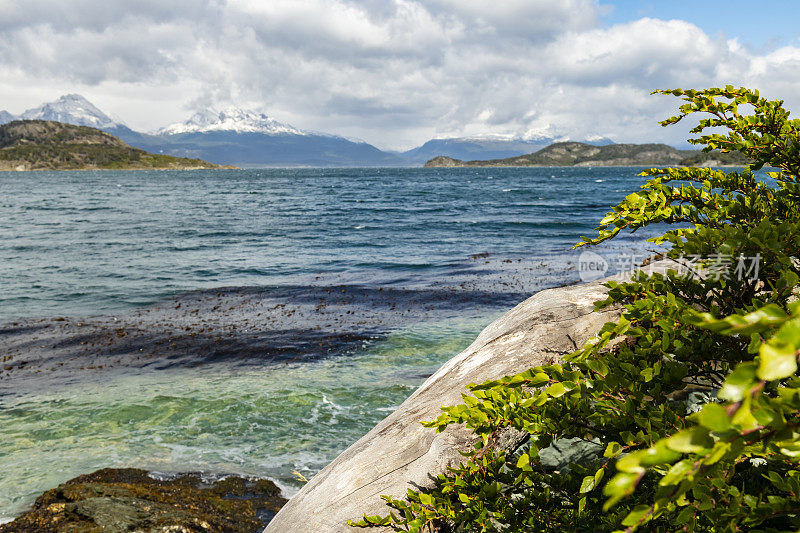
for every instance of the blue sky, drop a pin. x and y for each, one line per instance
(399, 72)
(759, 24)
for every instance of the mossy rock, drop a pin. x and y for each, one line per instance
(129, 499)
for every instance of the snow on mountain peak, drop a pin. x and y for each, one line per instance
(6, 117)
(72, 109)
(230, 119)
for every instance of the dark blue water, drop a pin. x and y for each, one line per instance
(75, 243)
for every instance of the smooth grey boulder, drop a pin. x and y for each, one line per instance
(399, 453)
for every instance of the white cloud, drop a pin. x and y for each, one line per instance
(394, 72)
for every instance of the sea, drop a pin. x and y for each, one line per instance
(329, 295)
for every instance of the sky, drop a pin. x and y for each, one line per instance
(399, 72)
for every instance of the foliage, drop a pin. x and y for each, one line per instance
(691, 398)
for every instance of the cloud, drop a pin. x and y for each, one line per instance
(394, 72)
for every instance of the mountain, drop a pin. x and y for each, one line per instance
(587, 155)
(76, 110)
(480, 148)
(50, 145)
(232, 136)
(241, 137)
(246, 138)
(231, 119)
(72, 109)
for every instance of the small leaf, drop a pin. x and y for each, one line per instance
(587, 484)
(637, 515)
(738, 383)
(524, 461)
(777, 361)
(677, 473)
(613, 449)
(694, 440)
(619, 487)
(714, 417)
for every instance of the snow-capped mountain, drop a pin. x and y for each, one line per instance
(231, 119)
(73, 109)
(247, 138)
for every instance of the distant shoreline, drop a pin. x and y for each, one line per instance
(49, 145)
(220, 167)
(575, 166)
(576, 154)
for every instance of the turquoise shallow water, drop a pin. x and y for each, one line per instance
(108, 243)
(267, 422)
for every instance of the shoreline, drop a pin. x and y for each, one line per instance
(54, 345)
(399, 453)
(656, 165)
(219, 167)
(245, 348)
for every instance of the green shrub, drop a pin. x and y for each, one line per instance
(690, 400)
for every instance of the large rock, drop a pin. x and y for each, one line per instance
(120, 500)
(399, 453)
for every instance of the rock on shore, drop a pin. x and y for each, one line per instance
(118, 500)
(399, 453)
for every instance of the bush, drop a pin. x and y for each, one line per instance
(690, 400)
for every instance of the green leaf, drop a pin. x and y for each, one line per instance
(714, 417)
(637, 515)
(555, 390)
(587, 484)
(755, 322)
(694, 440)
(776, 361)
(778, 356)
(677, 473)
(738, 383)
(613, 449)
(636, 462)
(619, 487)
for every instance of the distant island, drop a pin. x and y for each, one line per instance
(50, 145)
(577, 154)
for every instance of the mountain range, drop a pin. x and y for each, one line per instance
(245, 138)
